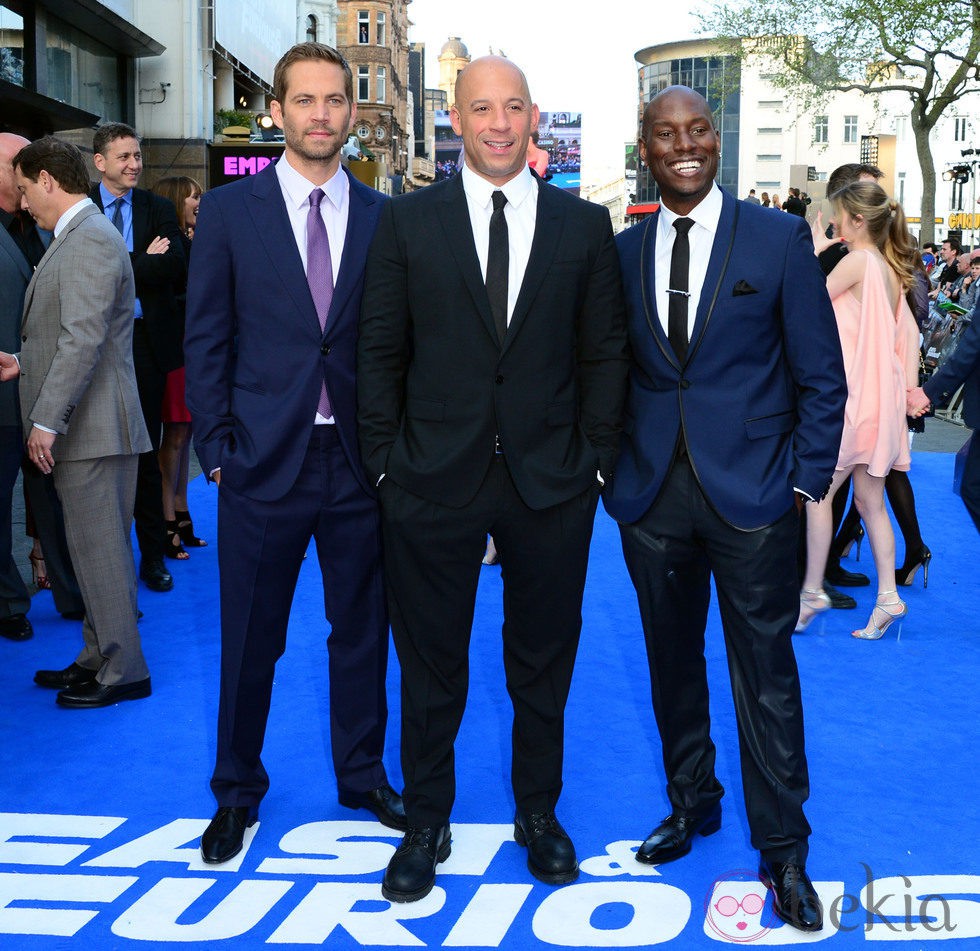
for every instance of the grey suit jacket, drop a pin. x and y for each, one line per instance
(76, 357)
(15, 273)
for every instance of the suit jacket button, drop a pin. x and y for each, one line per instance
(499, 379)
(324, 349)
(685, 384)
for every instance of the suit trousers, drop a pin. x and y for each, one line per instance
(49, 522)
(432, 568)
(151, 534)
(97, 498)
(671, 553)
(970, 486)
(260, 553)
(14, 598)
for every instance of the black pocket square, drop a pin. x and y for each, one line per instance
(743, 287)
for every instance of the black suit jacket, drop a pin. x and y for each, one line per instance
(434, 386)
(160, 278)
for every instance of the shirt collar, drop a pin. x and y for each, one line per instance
(108, 198)
(480, 190)
(706, 213)
(70, 213)
(296, 188)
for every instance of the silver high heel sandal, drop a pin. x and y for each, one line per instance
(882, 617)
(813, 601)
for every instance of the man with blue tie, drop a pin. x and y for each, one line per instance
(148, 224)
(273, 299)
(733, 420)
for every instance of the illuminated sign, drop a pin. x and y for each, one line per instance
(964, 221)
(229, 161)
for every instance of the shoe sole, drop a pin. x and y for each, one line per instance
(709, 828)
(403, 897)
(549, 878)
(349, 803)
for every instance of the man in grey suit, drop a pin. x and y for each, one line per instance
(15, 272)
(80, 409)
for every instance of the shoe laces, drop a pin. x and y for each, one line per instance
(540, 823)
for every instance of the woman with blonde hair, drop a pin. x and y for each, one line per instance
(879, 340)
(175, 446)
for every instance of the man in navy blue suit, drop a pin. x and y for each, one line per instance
(733, 420)
(960, 369)
(273, 299)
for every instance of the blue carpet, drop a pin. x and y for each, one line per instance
(102, 809)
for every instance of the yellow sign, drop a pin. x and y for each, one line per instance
(964, 221)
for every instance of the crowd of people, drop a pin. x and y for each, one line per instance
(412, 403)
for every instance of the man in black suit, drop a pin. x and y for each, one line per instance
(491, 373)
(148, 224)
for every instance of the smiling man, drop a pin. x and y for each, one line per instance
(734, 416)
(491, 374)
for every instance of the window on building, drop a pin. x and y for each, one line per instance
(379, 87)
(901, 188)
(850, 128)
(774, 157)
(821, 128)
(770, 130)
(363, 83)
(901, 128)
(770, 103)
(363, 26)
(11, 47)
(379, 31)
(311, 29)
(960, 126)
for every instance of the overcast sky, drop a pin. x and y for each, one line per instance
(577, 58)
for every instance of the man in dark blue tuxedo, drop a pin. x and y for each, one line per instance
(272, 305)
(733, 420)
(962, 368)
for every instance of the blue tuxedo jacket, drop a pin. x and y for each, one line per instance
(761, 397)
(254, 351)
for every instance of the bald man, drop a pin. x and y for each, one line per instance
(491, 376)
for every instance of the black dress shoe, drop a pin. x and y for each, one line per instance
(155, 576)
(838, 599)
(794, 898)
(72, 676)
(672, 838)
(550, 853)
(384, 802)
(16, 628)
(222, 839)
(411, 873)
(846, 579)
(94, 694)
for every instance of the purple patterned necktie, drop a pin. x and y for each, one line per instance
(319, 274)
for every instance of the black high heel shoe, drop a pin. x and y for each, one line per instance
(914, 559)
(856, 537)
(185, 530)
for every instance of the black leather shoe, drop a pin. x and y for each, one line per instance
(846, 579)
(411, 873)
(94, 694)
(71, 676)
(384, 802)
(838, 599)
(155, 576)
(16, 628)
(222, 839)
(794, 898)
(672, 838)
(550, 853)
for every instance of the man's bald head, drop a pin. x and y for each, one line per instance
(469, 78)
(668, 98)
(10, 145)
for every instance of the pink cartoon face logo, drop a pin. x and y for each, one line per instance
(733, 910)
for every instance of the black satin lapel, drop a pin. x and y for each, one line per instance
(648, 286)
(721, 252)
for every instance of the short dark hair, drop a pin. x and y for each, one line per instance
(954, 244)
(309, 51)
(108, 133)
(851, 172)
(61, 160)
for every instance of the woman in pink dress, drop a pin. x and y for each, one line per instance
(879, 340)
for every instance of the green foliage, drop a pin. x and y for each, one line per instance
(227, 117)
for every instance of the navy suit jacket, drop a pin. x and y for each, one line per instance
(255, 354)
(962, 368)
(15, 275)
(761, 397)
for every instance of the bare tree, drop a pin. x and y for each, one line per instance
(927, 49)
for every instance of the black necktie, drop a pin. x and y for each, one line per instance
(498, 262)
(677, 293)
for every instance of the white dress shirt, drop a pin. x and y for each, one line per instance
(334, 209)
(701, 236)
(520, 212)
(66, 218)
